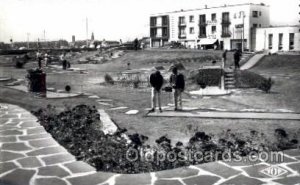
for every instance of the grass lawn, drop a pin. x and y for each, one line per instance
(284, 94)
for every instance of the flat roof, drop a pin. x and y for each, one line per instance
(280, 26)
(206, 8)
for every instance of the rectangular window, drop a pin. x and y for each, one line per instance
(165, 32)
(225, 25)
(165, 20)
(191, 18)
(280, 37)
(181, 20)
(153, 32)
(259, 25)
(254, 13)
(213, 29)
(254, 25)
(202, 19)
(182, 31)
(225, 18)
(259, 13)
(270, 41)
(291, 41)
(153, 21)
(213, 17)
(192, 31)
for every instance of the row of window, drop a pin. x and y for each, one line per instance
(280, 40)
(225, 16)
(203, 18)
(192, 30)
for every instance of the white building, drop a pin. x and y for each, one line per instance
(279, 38)
(221, 27)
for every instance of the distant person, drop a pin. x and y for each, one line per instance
(46, 59)
(156, 81)
(224, 58)
(64, 61)
(177, 83)
(39, 59)
(136, 44)
(237, 57)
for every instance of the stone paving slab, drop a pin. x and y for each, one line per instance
(219, 169)
(55, 171)
(228, 115)
(92, 179)
(79, 167)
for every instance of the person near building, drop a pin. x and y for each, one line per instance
(237, 57)
(177, 83)
(224, 58)
(156, 81)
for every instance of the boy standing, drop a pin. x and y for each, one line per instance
(156, 81)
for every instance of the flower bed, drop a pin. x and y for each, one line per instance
(79, 131)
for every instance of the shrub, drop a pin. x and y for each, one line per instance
(108, 79)
(266, 85)
(19, 64)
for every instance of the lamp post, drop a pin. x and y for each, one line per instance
(243, 36)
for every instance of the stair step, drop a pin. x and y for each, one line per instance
(230, 86)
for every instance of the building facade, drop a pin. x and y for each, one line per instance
(223, 27)
(280, 38)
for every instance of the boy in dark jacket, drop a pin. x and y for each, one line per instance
(178, 84)
(237, 57)
(156, 81)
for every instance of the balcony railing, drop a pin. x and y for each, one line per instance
(182, 36)
(226, 35)
(225, 21)
(202, 36)
(182, 23)
(165, 24)
(202, 23)
(160, 36)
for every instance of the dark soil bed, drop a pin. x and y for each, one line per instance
(78, 129)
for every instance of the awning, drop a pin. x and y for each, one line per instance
(207, 41)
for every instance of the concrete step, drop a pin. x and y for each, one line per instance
(229, 75)
(229, 82)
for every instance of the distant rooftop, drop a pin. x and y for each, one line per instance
(206, 7)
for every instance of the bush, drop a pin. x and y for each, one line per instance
(206, 77)
(266, 85)
(108, 79)
(19, 64)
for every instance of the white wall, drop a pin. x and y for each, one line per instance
(262, 38)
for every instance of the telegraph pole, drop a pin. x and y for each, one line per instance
(243, 36)
(28, 40)
(87, 32)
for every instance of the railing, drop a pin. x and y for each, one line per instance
(182, 36)
(225, 21)
(226, 35)
(182, 23)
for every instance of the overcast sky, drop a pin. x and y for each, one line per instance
(108, 19)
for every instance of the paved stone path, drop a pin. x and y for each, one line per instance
(252, 62)
(228, 115)
(29, 155)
